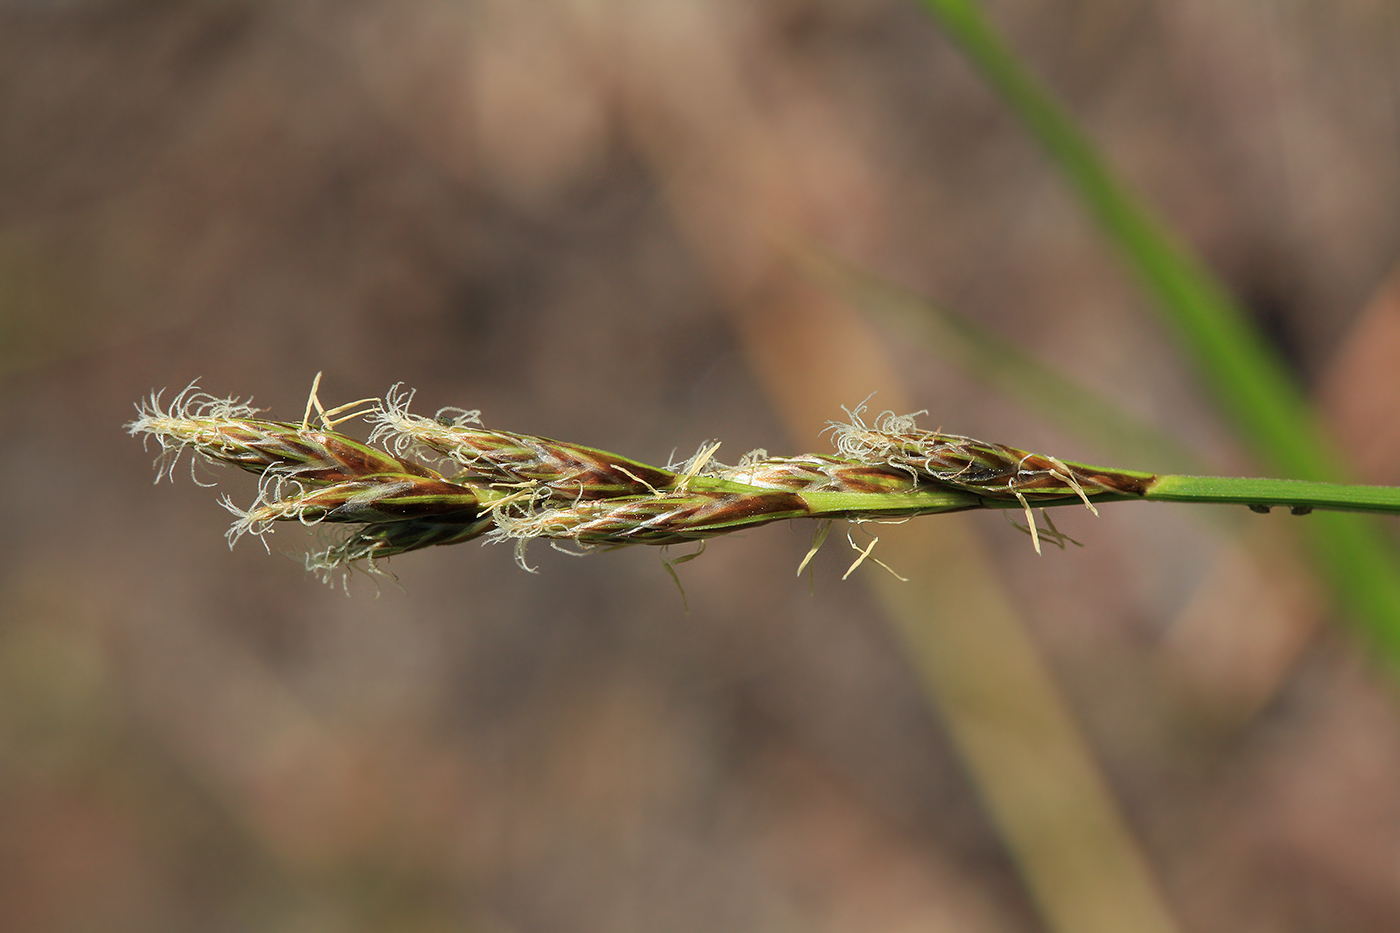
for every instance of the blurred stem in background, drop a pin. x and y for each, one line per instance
(975, 661)
(1263, 402)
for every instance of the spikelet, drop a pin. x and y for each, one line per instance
(375, 542)
(381, 497)
(225, 431)
(994, 471)
(659, 519)
(513, 461)
(817, 473)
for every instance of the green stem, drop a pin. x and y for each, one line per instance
(1291, 493)
(891, 505)
(1256, 492)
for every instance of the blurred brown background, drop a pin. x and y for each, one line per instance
(570, 215)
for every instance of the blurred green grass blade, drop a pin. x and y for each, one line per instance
(1002, 365)
(1247, 378)
(1251, 384)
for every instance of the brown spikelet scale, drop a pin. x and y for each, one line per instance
(666, 518)
(567, 471)
(380, 497)
(818, 473)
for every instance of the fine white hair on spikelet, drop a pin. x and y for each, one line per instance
(186, 421)
(405, 433)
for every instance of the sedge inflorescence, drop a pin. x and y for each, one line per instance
(505, 486)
